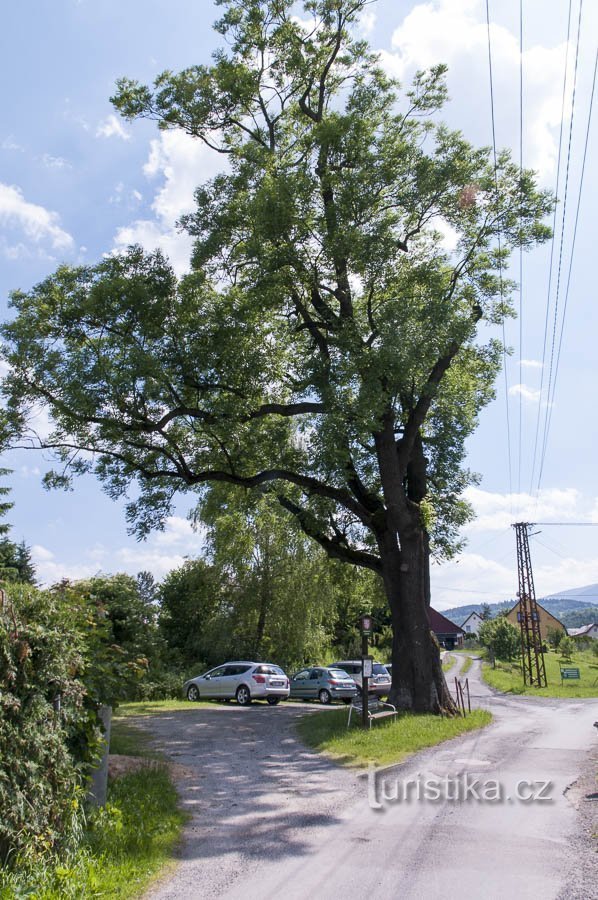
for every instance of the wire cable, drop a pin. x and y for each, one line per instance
(500, 267)
(550, 391)
(579, 196)
(520, 246)
(552, 245)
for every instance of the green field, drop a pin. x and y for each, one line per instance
(508, 677)
(386, 742)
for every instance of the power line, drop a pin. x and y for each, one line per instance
(520, 245)
(566, 302)
(550, 391)
(500, 270)
(552, 243)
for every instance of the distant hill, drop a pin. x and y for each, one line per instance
(568, 606)
(578, 617)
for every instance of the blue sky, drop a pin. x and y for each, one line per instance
(76, 182)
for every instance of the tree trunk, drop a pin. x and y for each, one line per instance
(418, 682)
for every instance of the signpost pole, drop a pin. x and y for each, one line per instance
(364, 681)
(365, 624)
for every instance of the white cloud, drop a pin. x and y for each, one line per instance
(183, 163)
(495, 511)
(29, 472)
(55, 162)
(455, 32)
(112, 127)
(161, 552)
(38, 224)
(476, 579)
(9, 143)
(531, 364)
(41, 554)
(367, 22)
(532, 395)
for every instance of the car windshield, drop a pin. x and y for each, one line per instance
(269, 670)
(379, 669)
(339, 673)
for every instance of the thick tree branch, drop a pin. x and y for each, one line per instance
(334, 547)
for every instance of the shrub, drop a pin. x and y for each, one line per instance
(500, 637)
(567, 647)
(44, 752)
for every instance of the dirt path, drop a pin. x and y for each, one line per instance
(271, 819)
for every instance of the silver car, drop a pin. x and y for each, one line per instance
(323, 683)
(242, 680)
(380, 682)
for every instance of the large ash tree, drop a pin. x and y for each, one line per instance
(325, 347)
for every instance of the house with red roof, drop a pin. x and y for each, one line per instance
(449, 635)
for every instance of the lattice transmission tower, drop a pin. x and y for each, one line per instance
(532, 658)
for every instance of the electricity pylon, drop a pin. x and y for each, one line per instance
(532, 658)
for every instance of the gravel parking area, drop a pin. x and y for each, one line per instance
(253, 791)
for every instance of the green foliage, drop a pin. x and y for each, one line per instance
(325, 346)
(554, 637)
(321, 299)
(121, 847)
(500, 637)
(566, 647)
(189, 597)
(44, 754)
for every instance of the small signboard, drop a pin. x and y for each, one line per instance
(367, 666)
(365, 623)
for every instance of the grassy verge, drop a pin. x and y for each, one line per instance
(508, 677)
(448, 662)
(467, 663)
(124, 845)
(152, 707)
(387, 742)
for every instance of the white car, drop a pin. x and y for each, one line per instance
(241, 680)
(379, 684)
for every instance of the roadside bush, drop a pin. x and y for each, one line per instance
(567, 647)
(555, 635)
(500, 637)
(44, 752)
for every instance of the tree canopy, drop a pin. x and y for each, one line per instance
(326, 346)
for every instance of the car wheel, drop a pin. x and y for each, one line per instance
(324, 697)
(193, 693)
(273, 701)
(243, 696)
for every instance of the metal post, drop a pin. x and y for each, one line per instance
(364, 682)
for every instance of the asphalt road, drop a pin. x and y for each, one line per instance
(271, 819)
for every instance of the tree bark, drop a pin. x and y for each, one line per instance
(418, 682)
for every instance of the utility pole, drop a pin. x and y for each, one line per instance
(532, 658)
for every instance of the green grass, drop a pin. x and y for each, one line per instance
(467, 664)
(127, 740)
(152, 707)
(448, 662)
(386, 742)
(508, 677)
(124, 845)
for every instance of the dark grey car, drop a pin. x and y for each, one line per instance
(324, 684)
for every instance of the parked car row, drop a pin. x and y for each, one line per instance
(245, 681)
